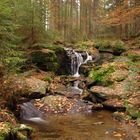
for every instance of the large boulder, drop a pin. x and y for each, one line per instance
(45, 59)
(51, 59)
(105, 92)
(115, 47)
(17, 88)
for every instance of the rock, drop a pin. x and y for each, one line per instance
(104, 92)
(114, 105)
(133, 54)
(53, 59)
(60, 104)
(9, 131)
(45, 59)
(94, 53)
(116, 47)
(119, 75)
(105, 57)
(105, 75)
(29, 88)
(122, 59)
(86, 68)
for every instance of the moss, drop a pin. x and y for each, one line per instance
(7, 130)
(131, 110)
(116, 47)
(48, 59)
(102, 45)
(45, 59)
(102, 75)
(20, 136)
(48, 79)
(134, 57)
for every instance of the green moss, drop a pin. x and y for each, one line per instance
(20, 136)
(137, 42)
(118, 46)
(134, 57)
(131, 110)
(102, 45)
(102, 75)
(48, 79)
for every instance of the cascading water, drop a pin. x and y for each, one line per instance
(75, 87)
(30, 113)
(77, 59)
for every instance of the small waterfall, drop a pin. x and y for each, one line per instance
(89, 58)
(30, 113)
(75, 87)
(77, 59)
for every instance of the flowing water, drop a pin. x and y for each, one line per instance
(90, 126)
(77, 59)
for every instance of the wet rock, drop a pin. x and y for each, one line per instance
(86, 68)
(114, 105)
(97, 107)
(60, 104)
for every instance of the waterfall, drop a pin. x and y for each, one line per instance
(30, 113)
(76, 87)
(76, 60)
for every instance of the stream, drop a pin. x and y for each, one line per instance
(81, 126)
(96, 125)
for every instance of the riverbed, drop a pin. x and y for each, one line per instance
(81, 126)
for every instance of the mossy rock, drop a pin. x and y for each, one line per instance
(17, 89)
(102, 75)
(11, 132)
(116, 47)
(105, 74)
(45, 59)
(53, 58)
(133, 55)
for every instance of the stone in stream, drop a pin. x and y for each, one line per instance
(60, 104)
(114, 105)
